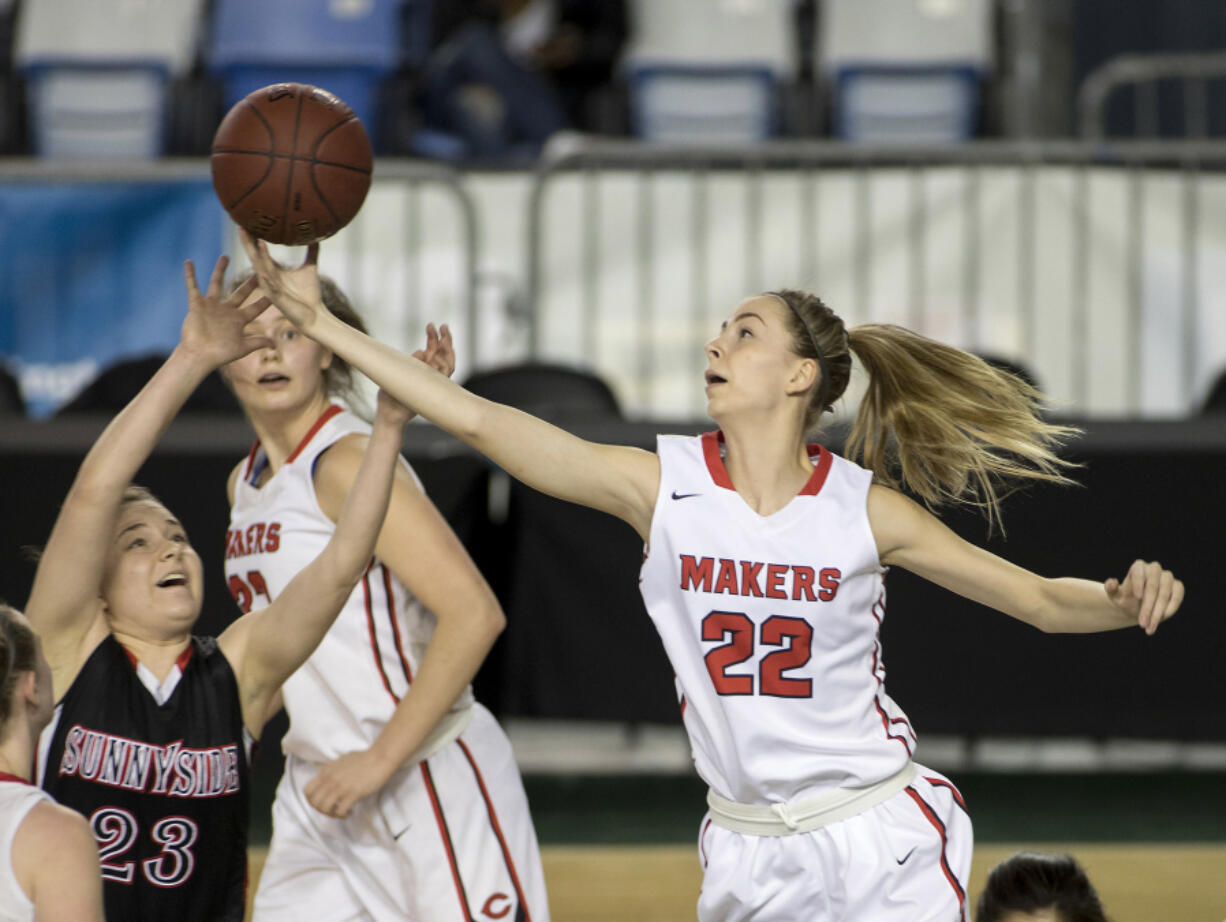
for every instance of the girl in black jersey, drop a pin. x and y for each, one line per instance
(153, 726)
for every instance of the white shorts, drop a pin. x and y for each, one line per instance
(449, 838)
(905, 860)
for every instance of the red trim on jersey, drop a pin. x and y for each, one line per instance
(391, 615)
(715, 462)
(820, 470)
(5, 776)
(502, 842)
(255, 447)
(185, 657)
(315, 427)
(370, 628)
(935, 820)
(942, 783)
(719, 473)
(447, 846)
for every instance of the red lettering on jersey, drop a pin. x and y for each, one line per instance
(726, 581)
(696, 574)
(749, 578)
(802, 583)
(775, 573)
(829, 581)
(255, 535)
(272, 539)
(490, 911)
(232, 549)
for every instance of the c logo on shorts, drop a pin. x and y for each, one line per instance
(490, 912)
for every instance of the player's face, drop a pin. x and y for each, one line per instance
(154, 579)
(287, 375)
(750, 362)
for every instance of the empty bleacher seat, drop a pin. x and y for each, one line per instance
(906, 71)
(97, 74)
(708, 71)
(345, 46)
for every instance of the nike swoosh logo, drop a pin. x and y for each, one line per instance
(904, 858)
(677, 495)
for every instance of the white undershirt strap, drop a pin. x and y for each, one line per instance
(796, 816)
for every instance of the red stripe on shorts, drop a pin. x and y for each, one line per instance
(502, 842)
(942, 783)
(935, 820)
(447, 846)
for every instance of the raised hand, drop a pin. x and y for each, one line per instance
(439, 353)
(214, 331)
(295, 291)
(1148, 592)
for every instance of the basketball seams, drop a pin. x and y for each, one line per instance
(289, 180)
(313, 161)
(268, 153)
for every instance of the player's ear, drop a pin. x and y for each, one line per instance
(803, 376)
(325, 359)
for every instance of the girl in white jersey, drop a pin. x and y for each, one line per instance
(400, 797)
(48, 859)
(764, 576)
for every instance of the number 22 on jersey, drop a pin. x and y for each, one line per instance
(793, 636)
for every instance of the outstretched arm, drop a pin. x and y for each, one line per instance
(910, 537)
(265, 647)
(619, 480)
(63, 605)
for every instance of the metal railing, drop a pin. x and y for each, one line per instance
(964, 252)
(1145, 72)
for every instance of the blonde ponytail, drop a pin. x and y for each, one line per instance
(945, 425)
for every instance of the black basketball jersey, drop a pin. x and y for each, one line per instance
(165, 787)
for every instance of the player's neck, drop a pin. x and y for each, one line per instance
(17, 753)
(281, 431)
(158, 656)
(767, 463)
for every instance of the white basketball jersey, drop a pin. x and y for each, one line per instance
(771, 625)
(17, 799)
(341, 698)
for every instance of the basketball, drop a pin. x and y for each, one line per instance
(291, 163)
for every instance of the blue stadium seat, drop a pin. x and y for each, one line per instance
(706, 72)
(345, 46)
(900, 104)
(695, 103)
(98, 73)
(906, 71)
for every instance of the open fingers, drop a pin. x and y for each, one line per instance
(218, 278)
(189, 276)
(248, 312)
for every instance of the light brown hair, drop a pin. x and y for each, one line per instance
(17, 655)
(935, 421)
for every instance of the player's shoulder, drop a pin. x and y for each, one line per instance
(50, 828)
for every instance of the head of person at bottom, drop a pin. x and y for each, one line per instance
(26, 699)
(1029, 887)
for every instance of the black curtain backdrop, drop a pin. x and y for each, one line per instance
(579, 644)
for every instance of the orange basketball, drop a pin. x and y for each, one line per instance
(291, 163)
